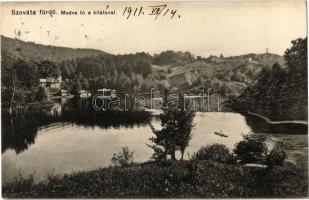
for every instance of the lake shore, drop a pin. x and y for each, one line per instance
(181, 179)
(261, 124)
(304, 122)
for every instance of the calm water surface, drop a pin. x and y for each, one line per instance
(64, 141)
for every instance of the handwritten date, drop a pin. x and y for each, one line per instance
(156, 11)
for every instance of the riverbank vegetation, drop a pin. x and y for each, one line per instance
(208, 175)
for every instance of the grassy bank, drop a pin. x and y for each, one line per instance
(175, 179)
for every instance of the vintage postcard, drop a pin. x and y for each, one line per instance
(154, 99)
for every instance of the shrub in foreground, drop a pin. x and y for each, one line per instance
(216, 152)
(207, 180)
(276, 156)
(252, 148)
(123, 158)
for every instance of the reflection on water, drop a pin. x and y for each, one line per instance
(17, 137)
(19, 130)
(73, 137)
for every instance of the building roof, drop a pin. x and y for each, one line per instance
(104, 89)
(48, 80)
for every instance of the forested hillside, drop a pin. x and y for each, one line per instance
(227, 76)
(280, 93)
(19, 49)
(130, 72)
(24, 63)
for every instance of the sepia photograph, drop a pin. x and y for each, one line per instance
(154, 99)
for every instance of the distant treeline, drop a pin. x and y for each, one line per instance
(173, 58)
(130, 72)
(280, 93)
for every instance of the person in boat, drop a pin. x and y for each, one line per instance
(220, 134)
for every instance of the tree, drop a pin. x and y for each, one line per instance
(41, 94)
(170, 57)
(76, 87)
(185, 124)
(85, 83)
(296, 56)
(144, 87)
(26, 73)
(177, 124)
(48, 69)
(296, 61)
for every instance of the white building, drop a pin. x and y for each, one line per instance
(51, 82)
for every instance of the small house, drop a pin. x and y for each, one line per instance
(107, 93)
(64, 93)
(84, 94)
(51, 82)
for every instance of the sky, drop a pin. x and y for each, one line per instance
(203, 28)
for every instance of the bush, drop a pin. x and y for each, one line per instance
(276, 156)
(216, 152)
(251, 149)
(123, 158)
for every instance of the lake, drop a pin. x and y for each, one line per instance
(71, 137)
